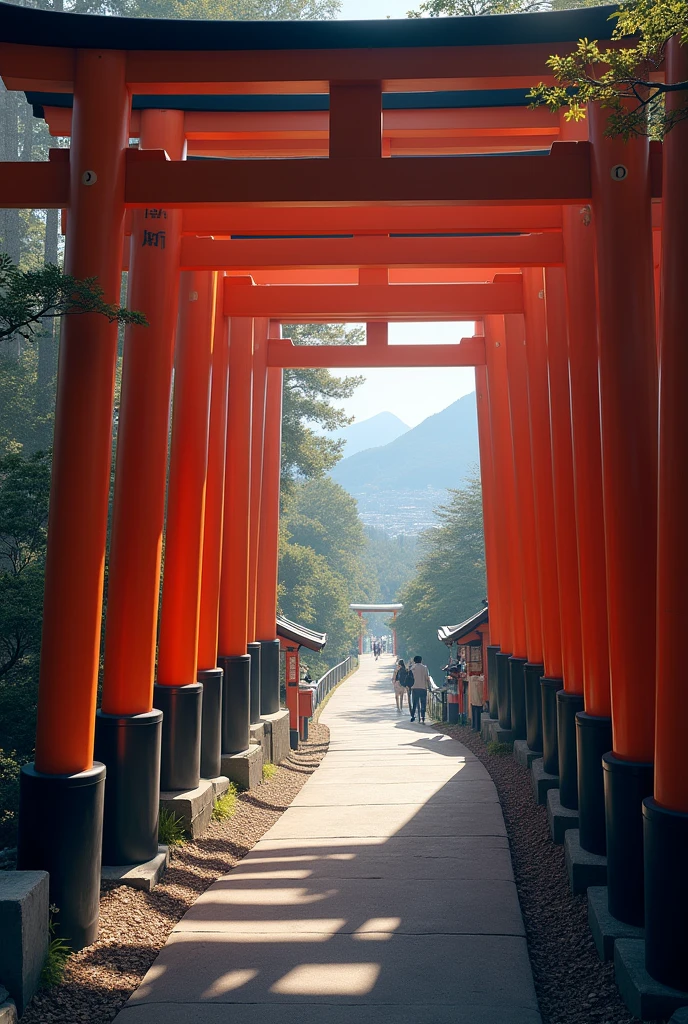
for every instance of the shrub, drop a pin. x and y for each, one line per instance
(9, 797)
(499, 748)
(170, 829)
(225, 806)
(269, 771)
(56, 958)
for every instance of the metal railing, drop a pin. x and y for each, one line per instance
(437, 705)
(332, 677)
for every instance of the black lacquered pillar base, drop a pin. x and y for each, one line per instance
(594, 739)
(503, 692)
(626, 785)
(212, 680)
(61, 832)
(568, 705)
(533, 674)
(666, 894)
(517, 696)
(492, 652)
(269, 677)
(180, 761)
(236, 703)
(254, 683)
(129, 747)
(550, 741)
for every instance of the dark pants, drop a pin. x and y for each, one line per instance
(476, 714)
(419, 700)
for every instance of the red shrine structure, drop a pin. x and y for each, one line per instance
(357, 172)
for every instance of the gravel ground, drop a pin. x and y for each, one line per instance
(572, 985)
(134, 925)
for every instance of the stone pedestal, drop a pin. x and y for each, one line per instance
(143, 876)
(245, 768)
(195, 806)
(542, 781)
(524, 755)
(559, 818)
(605, 928)
(583, 868)
(277, 729)
(645, 998)
(24, 899)
(261, 738)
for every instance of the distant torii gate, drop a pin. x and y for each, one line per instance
(361, 608)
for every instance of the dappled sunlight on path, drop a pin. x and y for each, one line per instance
(383, 894)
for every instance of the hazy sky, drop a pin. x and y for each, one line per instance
(413, 394)
(377, 8)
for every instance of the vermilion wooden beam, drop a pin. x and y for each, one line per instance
(248, 149)
(315, 124)
(353, 304)
(487, 251)
(561, 177)
(39, 185)
(235, 219)
(282, 353)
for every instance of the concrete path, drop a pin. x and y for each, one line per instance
(383, 895)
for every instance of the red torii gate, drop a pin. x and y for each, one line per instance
(553, 577)
(361, 608)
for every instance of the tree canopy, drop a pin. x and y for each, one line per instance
(322, 564)
(28, 297)
(623, 78)
(307, 402)
(473, 8)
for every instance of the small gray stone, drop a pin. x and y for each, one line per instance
(8, 1012)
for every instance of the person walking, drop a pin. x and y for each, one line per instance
(400, 685)
(475, 697)
(419, 690)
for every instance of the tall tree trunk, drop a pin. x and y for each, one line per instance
(10, 223)
(47, 341)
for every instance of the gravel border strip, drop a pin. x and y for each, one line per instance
(572, 985)
(134, 926)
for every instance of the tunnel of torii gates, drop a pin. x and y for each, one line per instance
(388, 609)
(395, 174)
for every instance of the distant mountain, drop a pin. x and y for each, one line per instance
(398, 485)
(437, 453)
(370, 433)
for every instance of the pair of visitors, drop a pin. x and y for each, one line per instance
(401, 684)
(419, 690)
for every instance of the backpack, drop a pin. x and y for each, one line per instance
(409, 681)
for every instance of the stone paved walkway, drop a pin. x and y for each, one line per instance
(383, 895)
